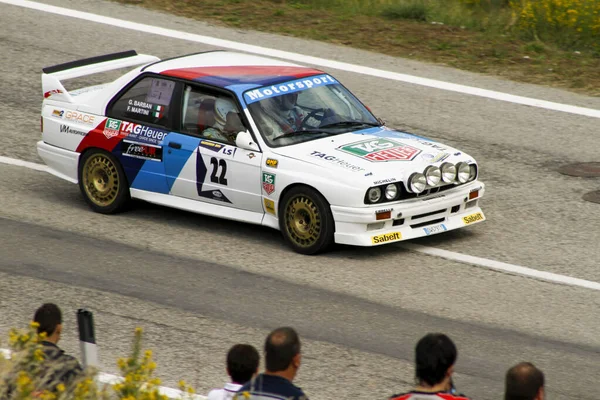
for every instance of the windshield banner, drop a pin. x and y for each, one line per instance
(298, 85)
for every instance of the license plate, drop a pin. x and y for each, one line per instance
(435, 229)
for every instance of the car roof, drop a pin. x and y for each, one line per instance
(231, 70)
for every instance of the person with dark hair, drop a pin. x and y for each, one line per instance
(524, 381)
(282, 361)
(435, 356)
(242, 365)
(58, 367)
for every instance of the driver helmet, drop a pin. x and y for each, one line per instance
(222, 108)
(288, 101)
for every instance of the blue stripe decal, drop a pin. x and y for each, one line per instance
(151, 177)
(177, 158)
(386, 132)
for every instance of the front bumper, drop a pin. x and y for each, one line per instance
(409, 219)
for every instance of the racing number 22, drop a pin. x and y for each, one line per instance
(216, 163)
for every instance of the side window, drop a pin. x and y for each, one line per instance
(148, 101)
(213, 116)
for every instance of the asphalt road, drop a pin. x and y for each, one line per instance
(198, 284)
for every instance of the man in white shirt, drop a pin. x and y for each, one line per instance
(242, 365)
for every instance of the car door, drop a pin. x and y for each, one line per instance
(142, 115)
(203, 163)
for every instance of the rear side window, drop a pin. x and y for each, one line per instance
(147, 102)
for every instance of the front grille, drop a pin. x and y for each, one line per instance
(422, 224)
(428, 214)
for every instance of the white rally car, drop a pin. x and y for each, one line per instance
(255, 140)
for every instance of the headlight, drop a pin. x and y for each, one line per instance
(417, 182)
(473, 168)
(374, 194)
(433, 175)
(463, 171)
(391, 191)
(448, 172)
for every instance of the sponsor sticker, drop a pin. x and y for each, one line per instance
(51, 92)
(141, 133)
(381, 150)
(297, 85)
(58, 113)
(111, 128)
(335, 160)
(469, 219)
(81, 118)
(384, 181)
(430, 230)
(386, 237)
(271, 162)
(268, 182)
(270, 206)
(214, 195)
(439, 157)
(69, 130)
(141, 150)
(216, 147)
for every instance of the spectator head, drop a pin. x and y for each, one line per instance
(242, 363)
(524, 382)
(282, 352)
(49, 318)
(435, 355)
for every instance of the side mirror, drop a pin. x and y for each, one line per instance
(244, 140)
(381, 121)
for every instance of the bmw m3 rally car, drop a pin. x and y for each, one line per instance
(251, 139)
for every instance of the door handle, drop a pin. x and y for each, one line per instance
(175, 145)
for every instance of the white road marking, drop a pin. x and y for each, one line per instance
(475, 91)
(502, 266)
(432, 251)
(112, 379)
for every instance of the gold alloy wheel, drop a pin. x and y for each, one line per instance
(101, 180)
(303, 221)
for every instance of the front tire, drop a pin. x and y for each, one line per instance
(102, 182)
(305, 221)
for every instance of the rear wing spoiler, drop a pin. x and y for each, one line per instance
(52, 76)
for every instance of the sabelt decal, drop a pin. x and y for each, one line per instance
(469, 219)
(270, 206)
(268, 182)
(271, 162)
(81, 118)
(381, 150)
(141, 150)
(386, 237)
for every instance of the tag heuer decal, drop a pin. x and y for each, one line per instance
(268, 182)
(379, 150)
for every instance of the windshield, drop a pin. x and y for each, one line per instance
(306, 109)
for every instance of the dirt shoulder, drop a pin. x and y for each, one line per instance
(493, 54)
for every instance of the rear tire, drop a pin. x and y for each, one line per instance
(102, 182)
(305, 220)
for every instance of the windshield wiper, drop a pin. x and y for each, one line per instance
(346, 124)
(309, 131)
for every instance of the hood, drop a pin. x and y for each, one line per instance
(378, 155)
